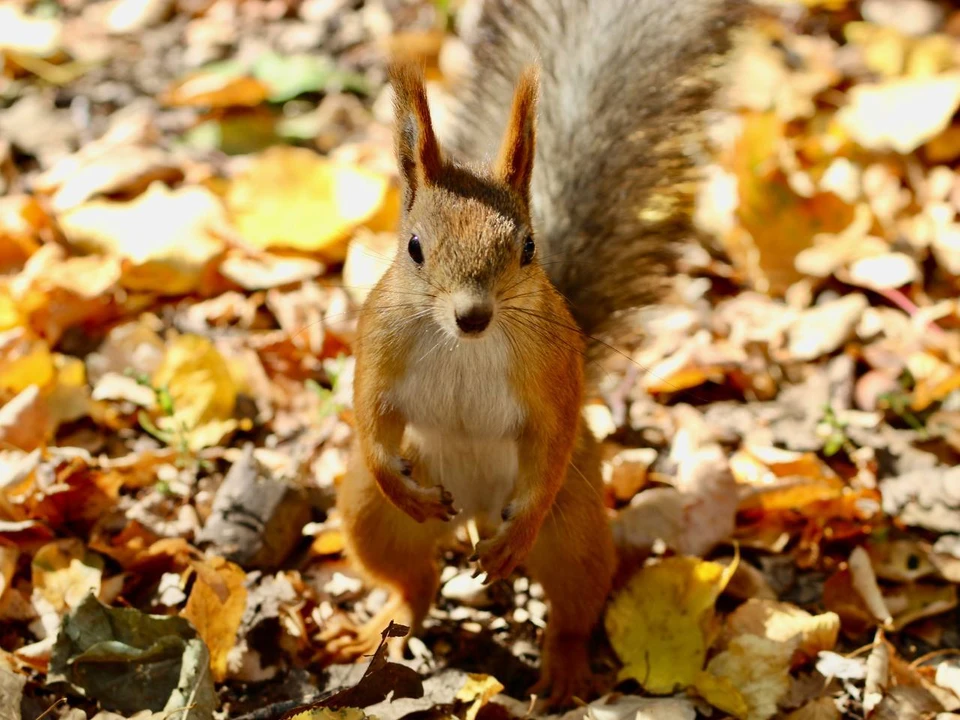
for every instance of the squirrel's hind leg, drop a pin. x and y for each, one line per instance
(574, 560)
(390, 549)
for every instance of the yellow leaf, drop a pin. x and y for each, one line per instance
(293, 198)
(329, 714)
(787, 624)
(25, 360)
(10, 316)
(776, 223)
(662, 622)
(69, 398)
(721, 693)
(8, 565)
(64, 573)
(900, 114)
(202, 390)
(215, 90)
(167, 237)
(479, 690)
(749, 678)
(216, 611)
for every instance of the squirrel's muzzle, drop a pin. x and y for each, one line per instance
(474, 319)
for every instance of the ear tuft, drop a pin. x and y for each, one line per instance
(418, 152)
(515, 161)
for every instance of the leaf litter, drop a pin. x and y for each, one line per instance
(187, 229)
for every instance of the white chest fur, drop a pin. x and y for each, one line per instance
(463, 417)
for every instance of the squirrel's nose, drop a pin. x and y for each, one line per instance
(474, 319)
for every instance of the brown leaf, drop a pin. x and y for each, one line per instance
(215, 607)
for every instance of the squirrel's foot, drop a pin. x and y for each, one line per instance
(499, 555)
(565, 673)
(345, 642)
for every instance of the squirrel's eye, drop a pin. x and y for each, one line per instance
(526, 255)
(416, 252)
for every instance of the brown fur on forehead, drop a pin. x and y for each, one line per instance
(471, 223)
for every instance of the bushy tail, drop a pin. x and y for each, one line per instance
(624, 84)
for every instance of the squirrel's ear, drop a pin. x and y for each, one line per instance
(417, 149)
(515, 162)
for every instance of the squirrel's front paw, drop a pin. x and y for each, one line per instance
(499, 555)
(435, 503)
(420, 503)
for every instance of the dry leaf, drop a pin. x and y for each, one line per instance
(167, 237)
(748, 678)
(293, 198)
(201, 388)
(820, 709)
(215, 608)
(865, 583)
(25, 360)
(776, 223)
(478, 690)
(25, 421)
(216, 90)
(662, 622)
(901, 114)
(64, 573)
(824, 328)
(785, 623)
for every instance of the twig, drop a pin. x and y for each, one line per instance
(51, 708)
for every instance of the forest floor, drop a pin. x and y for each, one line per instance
(195, 196)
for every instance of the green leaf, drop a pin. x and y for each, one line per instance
(293, 75)
(130, 661)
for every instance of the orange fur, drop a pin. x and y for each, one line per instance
(432, 400)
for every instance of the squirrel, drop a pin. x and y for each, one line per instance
(471, 349)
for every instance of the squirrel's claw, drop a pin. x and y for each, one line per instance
(501, 554)
(422, 504)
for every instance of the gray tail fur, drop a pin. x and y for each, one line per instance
(623, 87)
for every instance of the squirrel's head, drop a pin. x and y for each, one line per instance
(466, 241)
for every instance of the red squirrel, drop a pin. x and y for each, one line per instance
(471, 350)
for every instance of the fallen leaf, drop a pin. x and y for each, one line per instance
(900, 560)
(900, 114)
(25, 420)
(201, 389)
(293, 198)
(64, 573)
(662, 622)
(748, 678)
(865, 583)
(25, 360)
(775, 223)
(323, 713)
(216, 87)
(28, 34)
(631, 707)
(478, 690)
(917, 601)
(130, 661)
(167, 238)
(267, 270)
(123, 168)
(785, 623)
(882, 272)
(820, 709)
(215, 610)
(11, 692)
(824, 328)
